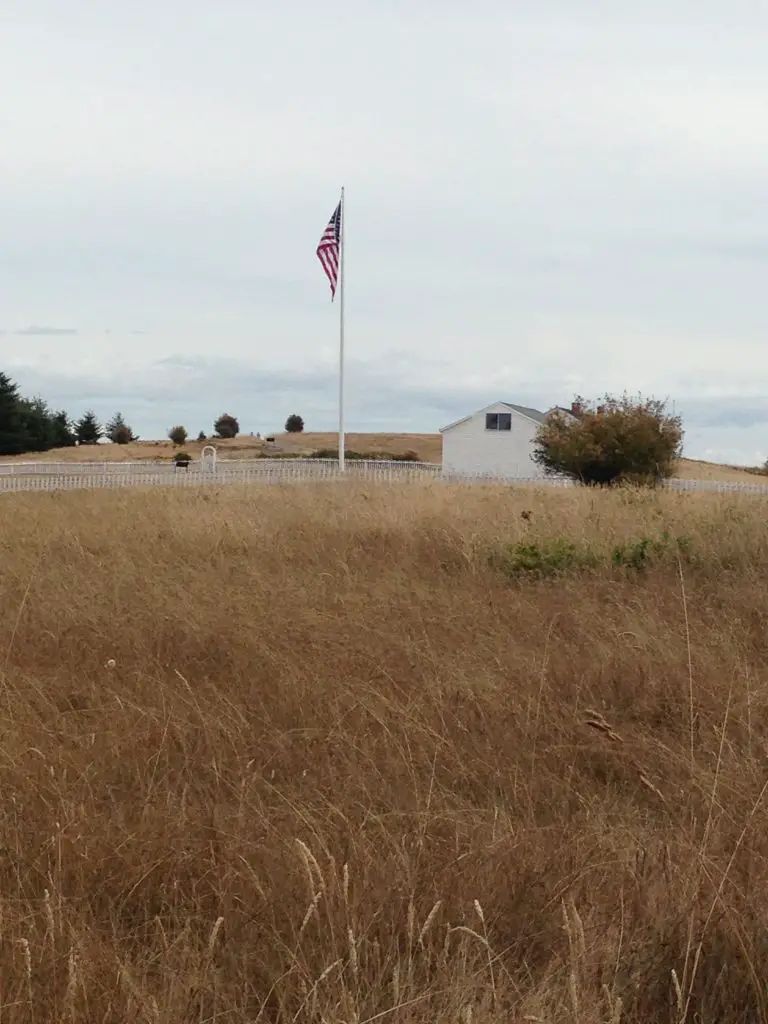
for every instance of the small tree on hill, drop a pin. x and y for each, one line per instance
(226, 426)
(294, 424)
(118, 431)
(178, 435)
(88, 430)
(201, 436)
(618, 440)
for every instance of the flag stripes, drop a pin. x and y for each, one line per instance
(329, 249)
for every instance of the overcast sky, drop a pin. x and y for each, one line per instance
(543, 197)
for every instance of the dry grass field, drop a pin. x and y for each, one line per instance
(383, 754)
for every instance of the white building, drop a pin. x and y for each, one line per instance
(495, 441)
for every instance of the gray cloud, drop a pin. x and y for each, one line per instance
(43, 332)
(727, 411)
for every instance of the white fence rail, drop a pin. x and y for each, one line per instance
(39, 476)
(54, 476)
(711, 486)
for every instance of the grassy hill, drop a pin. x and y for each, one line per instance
(371, 753)
(427, 446)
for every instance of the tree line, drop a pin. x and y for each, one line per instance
(31, 425)
(229, 426)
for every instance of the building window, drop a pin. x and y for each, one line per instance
(498, 421)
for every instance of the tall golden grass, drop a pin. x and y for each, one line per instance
(321, 754)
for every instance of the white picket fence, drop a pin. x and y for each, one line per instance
(55, 476)
(42, 476)
(712, 486)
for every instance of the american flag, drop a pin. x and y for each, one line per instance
(328, 250)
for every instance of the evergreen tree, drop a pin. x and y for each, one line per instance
(63, 433)
(88, 429)
(118, 431)
(28, 424)
(38, 425)
(12, 431)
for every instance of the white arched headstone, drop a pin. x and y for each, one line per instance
(208, 459)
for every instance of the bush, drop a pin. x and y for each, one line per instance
(178, 435)
(619, 440)
(546, 558)
(559, 555)
(226, 426)
(182, 458)
(294, 424)
(202, 436)
(333, 453)
(640, 554)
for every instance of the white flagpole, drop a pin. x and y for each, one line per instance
(342, 260)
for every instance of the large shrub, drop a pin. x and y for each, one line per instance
(226, 426)
(294, 424)
(178, 434)
(613, 441)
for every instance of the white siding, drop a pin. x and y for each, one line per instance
(469, 448)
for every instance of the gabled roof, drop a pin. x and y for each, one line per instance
(523, 410)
